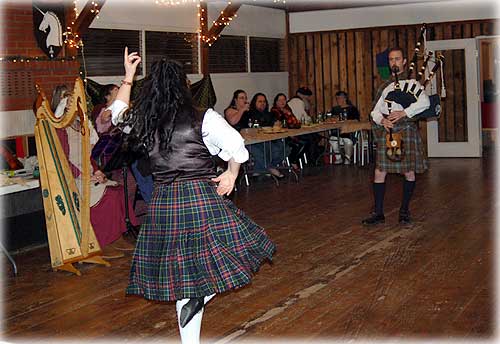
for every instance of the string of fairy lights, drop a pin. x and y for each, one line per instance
(223, 20)
(73, 40)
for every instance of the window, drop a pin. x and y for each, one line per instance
(267, 54)
(103, 50)
(179, 46)
(228, 55)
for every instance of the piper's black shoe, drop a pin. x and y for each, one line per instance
(374, 219)
(190, 309)
(404, 217)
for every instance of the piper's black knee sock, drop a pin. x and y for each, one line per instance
(408, 187)
(378, 194)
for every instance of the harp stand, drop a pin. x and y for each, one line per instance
(12, 261)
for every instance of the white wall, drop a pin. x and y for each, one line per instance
(225, 84)
(406, 14)
(16, 123)
(146, 15)
(250, 21)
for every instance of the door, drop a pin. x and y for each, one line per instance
(458, 131)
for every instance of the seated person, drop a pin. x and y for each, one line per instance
(103, 118)
(259, 115)
(283, 113)
(299, 104)
(110, 139)
(107, 205)
(344, 110)
(237, 112)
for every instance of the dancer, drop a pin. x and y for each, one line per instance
(194, 243)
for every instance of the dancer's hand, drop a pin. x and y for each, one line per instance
(130, 61)
(226, 183)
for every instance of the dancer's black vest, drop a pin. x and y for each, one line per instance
(185, 158)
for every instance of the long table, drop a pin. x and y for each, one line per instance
(265, 135)
(258, 135)
(18, 199)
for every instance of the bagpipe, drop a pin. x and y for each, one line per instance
(410, 93)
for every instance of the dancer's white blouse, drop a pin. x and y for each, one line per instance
(220, 138)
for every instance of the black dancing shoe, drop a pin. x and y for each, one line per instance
(404, 218)
(190, 309)
(373, 220)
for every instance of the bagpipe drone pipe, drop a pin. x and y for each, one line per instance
(413, 88)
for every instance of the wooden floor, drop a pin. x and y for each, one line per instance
(331, 278)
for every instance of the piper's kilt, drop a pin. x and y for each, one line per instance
(414, 155)
(195, 243)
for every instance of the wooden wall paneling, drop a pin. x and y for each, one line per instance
(403, 38)
(318, 74)
(487, 28)
(360, 72)
(393, 37)
(351, 67)
(342, 61)
(368, 76)
(411, 37)
(377, 79)
(448, 70)
(310, 82)
(432, 31)
(384, 44)
(327, 75)
(334, 65)
(302, 57)
(384, 40)
(467, 30)
(346, 60)
(476, 29)
(456, 31)
(293, 69)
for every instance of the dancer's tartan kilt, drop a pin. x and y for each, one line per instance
(194, 243)
(414, 155)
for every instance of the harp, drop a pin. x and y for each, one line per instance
(66, 198)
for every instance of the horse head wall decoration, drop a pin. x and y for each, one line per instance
(48, 27)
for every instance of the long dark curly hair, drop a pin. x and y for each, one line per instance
(164, 96)
(254, 101)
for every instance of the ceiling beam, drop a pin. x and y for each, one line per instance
(228, 12)
(87, 16)
(214, 31)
